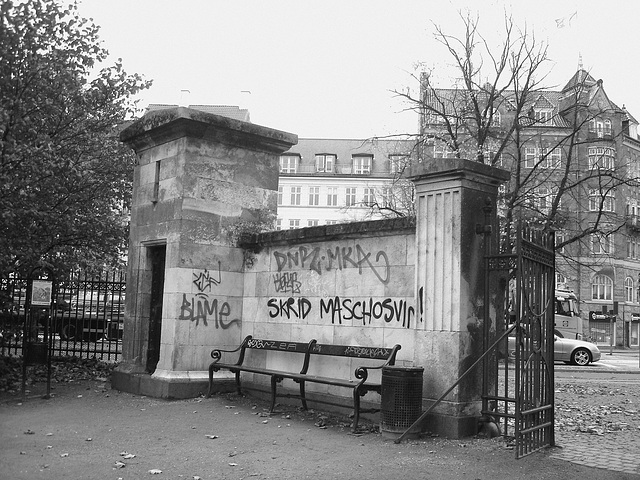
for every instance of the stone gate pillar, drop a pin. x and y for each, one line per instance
(198, 176)
(450, 196)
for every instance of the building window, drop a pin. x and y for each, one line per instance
(554, 159)
(325, 162)
(561, 237)
(633, 248)
(441, 150)
(294, 223)
(543, 117)
(601, 158)
(628, 289)
(350, 197)
(599, 127)
(279, 224)
(387, 197)
(289, 163)
(314, 195)
(542, 157)
(398, 163)
(601, 288)
(280, 193)
(602, 201)
(497, 119)
(295, 195)
(312, 223)
(369, 196)
(332, 196)
(545, 199)
(362, 164)
(332, 222)
(601, 244)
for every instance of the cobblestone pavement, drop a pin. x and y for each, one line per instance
(618, 453)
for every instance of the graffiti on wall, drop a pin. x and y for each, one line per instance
(319, 260)
(206, 279)
(339, 310)
(286, 282)
(202, 307)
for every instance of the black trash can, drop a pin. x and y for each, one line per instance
(401, 403)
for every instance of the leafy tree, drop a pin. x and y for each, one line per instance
(65, 179)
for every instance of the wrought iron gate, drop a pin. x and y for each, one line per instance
(519, 379)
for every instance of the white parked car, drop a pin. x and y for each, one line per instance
(567, 350)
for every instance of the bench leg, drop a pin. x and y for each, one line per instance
(238, 383)
(212, 368)
(274, 385)
(356, 409)
(303, 398)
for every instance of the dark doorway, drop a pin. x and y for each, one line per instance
(157, 256)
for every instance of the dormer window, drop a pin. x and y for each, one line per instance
(362, 164)
(289, 163)
(325, 162)
(398, 163)
(543, 117)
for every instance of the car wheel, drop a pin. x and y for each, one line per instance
(68, 332)
(581, 356)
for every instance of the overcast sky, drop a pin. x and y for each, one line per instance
(326, 68)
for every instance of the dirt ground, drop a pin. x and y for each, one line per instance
(88, 431)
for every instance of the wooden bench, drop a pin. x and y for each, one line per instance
(360, 386)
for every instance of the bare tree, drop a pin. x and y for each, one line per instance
(563, 147)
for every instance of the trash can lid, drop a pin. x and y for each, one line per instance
(398, 368)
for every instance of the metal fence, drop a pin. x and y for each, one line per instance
(85, 319)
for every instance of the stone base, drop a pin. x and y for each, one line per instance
(176, 387)
(448, 426)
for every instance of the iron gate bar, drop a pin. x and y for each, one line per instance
(420, 419)
(534, 407)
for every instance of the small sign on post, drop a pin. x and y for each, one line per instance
(41, 293)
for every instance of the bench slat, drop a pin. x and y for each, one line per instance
(353, 351)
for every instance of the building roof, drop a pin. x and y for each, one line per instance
(344, 149)
(229, 111)
(451, 98)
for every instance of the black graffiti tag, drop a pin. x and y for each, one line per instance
(202, 308)
(286, 282)
(205, 279)
(338, 257)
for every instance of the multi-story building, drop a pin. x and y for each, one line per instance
(326, 181)
(575, 161)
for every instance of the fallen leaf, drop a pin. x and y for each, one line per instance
(120, 464)
(129, 456)
(155, 471)
(64, 455)
(231, 464)
(212, 437)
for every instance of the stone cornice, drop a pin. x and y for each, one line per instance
(162, 126)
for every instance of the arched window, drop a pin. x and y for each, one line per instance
(601, 288)
(628, 289)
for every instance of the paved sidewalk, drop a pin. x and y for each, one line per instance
(86, 432)
(623, 455)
